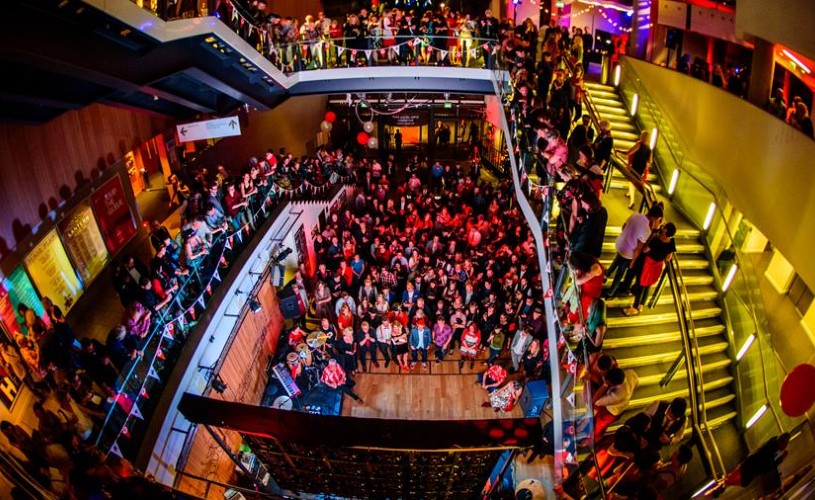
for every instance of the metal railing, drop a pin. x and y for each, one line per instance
(672, 270)
(317, 49)
(705, 204)
(140, 381)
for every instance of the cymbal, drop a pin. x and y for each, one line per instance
(316, 339)
(283, 403)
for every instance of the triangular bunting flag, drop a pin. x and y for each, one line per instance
(240, 235)
(191, 312)
(471, 52)
(209, 289)
(216, 276)
(200, 302)
(228, 245)
(417, 41)
(570, 398)
(115, 450)
(340, 50)
(152, 373)
(367, 54)
(234, 14)
(143, 393)
(169, 331)
(443, 54)
(160, 354)
(485, 46)
(125, 432)
(570, 357)
(182, 322)
(137, 413)
(548, 294)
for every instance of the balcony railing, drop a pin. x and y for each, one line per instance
(140, 384)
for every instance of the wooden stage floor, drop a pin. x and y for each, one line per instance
(439, 392)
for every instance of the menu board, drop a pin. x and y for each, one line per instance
(52, 272)
(84, 242)
(113, 215)
(14, 290)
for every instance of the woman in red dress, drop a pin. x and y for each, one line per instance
(589, 275)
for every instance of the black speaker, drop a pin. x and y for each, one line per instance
(673, 38)
(289, 307)
(534, 397)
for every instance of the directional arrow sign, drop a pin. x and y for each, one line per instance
(209, 129)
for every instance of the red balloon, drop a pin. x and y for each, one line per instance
(797, 395)
(330, 116)
(362, 138)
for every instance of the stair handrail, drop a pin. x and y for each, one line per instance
(549, 188)
(681, 302)
(695, 362)
(744, 263)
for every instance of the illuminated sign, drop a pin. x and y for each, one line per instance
(52, 272)
(84, 242)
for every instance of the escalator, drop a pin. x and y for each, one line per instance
(651, 342)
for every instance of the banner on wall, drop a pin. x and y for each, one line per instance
(18, 289)
(52, 272)
(116, 223)
(10, 383)
(83, 241)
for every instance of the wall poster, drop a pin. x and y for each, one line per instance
(10, 383)
(19, 289)
(52, 272)
(113, 215)
(83, 241)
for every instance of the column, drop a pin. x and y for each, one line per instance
(761, 72)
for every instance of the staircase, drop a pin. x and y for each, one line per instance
(650, 342)
(623, 129)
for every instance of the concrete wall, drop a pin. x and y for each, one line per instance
(789, 22)
(294, 124)
(764, 165)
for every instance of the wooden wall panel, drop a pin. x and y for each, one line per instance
(244, 372)
(42, 165)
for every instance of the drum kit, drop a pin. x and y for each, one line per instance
(312, 356)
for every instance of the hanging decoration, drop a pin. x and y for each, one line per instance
(373, 142)
(368, 127)
(362, 138)
(330, 116)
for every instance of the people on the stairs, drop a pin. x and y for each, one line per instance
(659, 250)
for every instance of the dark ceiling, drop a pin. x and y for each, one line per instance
(61, 55)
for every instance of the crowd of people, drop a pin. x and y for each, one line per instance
(433, 266)
(78, 380)
(383, 35)
(735, 78)
(74, 383)
(570, 159)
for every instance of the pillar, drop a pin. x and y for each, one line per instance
(761, 72)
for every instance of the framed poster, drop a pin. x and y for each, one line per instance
(10, 383)
(17, 288)
(52, 272)
(113, 215)
(83, 241)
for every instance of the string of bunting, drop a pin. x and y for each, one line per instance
(169, 330)
(319, 46)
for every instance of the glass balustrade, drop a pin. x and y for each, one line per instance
(757, 369)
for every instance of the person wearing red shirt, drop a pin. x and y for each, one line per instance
(491, 379)
(334, 377)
